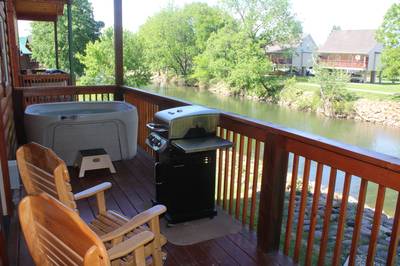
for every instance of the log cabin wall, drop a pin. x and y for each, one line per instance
(8, 141)
(12, 33)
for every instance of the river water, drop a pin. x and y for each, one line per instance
(383, 139)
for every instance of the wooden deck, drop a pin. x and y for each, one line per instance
(132, 191)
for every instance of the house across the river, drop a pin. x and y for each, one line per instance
(298, 57)
(356, 51)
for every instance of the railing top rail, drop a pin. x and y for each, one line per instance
(156, 97)
(41, 75)
(71, 87)
(58, 90)
(378, 159)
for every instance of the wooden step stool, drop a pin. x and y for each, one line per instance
(94, 159)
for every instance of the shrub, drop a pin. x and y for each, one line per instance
(335, 99)
(296, 97)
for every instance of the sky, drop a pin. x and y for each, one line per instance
(317, 16)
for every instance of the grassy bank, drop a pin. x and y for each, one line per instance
(384, 91)
(377, 103)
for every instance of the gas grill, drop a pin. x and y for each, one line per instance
(185, 142)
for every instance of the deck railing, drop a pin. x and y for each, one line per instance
(257, 186)
(343, 63)
(44, 80)
(33, 95)
(286, 183)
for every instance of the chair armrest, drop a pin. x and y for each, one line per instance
(92, 191)
(129, 245)
(136, 221)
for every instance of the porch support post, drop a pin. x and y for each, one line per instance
(118, 48)
(70, 50)
(56, 45)
(373, 77)
(272, 193)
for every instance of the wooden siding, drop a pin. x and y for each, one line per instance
(8, 140)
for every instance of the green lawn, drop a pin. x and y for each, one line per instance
(385, 91)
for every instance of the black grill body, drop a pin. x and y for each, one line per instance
(185, 144)
(185, 184)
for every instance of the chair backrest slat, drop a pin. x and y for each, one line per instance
(56, 235)
(57, 248)
(48, 181)
(43, 171)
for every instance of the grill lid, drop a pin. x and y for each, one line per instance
(169, 115)
(191, 121)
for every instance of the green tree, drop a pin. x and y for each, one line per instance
(233, 58)
(267, 22)
(173, 37)
(98, 61)
(84, 27)
(235, 54)
(389, 35)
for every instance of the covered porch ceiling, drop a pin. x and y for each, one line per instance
(39, 10)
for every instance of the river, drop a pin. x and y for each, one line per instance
(383, 139)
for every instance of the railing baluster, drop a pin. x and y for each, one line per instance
(292, 201)
(219, 152)
(233, 170)
(254, 187)
(342, 219)
(394, 238)
(239, 177)
(303, 204)
(247, 180)
(327, 216)
(376, 225)
(314, 212)
(226, 172)
(357, 225)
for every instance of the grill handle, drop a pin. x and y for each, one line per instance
(157, 127)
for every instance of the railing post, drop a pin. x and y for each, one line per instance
(118, 49)
(70, 39)
(56, 45)
(272, 193)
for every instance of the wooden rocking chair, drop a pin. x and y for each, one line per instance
(56, 235)
(42, 170)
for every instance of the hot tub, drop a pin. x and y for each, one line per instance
(72, 126)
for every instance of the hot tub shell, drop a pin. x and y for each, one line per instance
(69, 127)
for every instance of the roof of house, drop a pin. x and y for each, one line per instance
(23, 41)
(278, 48)
(282, 48)
(349, 42)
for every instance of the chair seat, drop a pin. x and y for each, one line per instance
(109, 221)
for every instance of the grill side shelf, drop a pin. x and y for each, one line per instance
(201, 144)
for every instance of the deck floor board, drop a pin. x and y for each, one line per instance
(132, 192)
